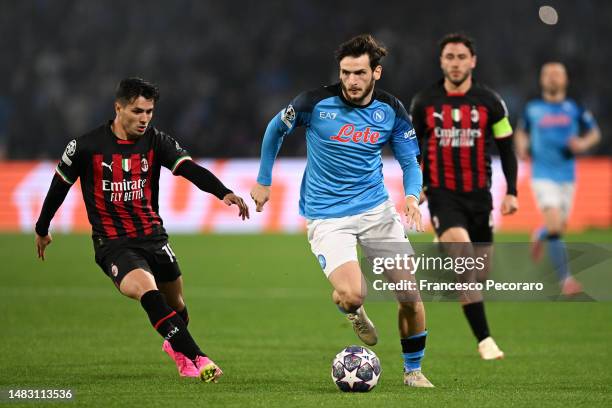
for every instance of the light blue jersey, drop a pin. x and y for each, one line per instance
(343, 173)
(550, 126)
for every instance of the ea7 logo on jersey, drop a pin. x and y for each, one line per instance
(288, 116)
(328, 115)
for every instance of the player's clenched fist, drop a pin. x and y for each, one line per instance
(413, 214)
(260, 194)
(509, 204)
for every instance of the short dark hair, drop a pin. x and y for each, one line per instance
(359, 45)
(458, 38)
(131, 88)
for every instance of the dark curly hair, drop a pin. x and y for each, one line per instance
(131, 88)
(461, 38)
(359, 45)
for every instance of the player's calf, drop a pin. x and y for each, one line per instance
(169, 324)
(348, 301)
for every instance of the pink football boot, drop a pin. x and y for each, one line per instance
(185, 366)
(208, 370)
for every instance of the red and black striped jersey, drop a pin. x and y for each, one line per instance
(120, 179)
(455, 131)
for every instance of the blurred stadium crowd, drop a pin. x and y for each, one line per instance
(225, 67)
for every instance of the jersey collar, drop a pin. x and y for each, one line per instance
(455, 94)
(121, 141)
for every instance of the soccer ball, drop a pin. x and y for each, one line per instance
(356, 369)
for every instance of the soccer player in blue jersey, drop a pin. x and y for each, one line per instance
(342, 194)
(553, 130)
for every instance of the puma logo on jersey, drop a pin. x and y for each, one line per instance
(110, 166)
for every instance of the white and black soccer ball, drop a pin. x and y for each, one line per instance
(356, 369)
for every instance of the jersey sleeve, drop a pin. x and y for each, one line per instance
(405, 148)
(68, 168)
(586, 121)
(296, 114)
(170, 152)
(500, 123)
(524, 123)
(403, 136)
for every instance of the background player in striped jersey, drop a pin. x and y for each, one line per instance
(343, 196)
(553, 129)
(457, 119)
(119, 165)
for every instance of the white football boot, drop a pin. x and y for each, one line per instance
(363, 326)
(415, 378)
(489, 350)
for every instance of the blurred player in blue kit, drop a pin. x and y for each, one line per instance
(342, 194)
(553, 130)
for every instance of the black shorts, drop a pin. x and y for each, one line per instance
(471, 211)
(153, 254)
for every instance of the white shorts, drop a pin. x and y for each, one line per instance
(551, 194)
(334, 240)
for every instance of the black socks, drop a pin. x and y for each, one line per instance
(475, 314)
(184, 316)
(169, 324)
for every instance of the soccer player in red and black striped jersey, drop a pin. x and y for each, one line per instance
(119, 164)
(457, 120)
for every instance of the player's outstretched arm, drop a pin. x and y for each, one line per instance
(54, 199)
(270, 146)
(208, 182)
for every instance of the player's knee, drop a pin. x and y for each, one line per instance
(133, 291)
(136, 283)
(455, 235)
(410, 308)
(351, 299)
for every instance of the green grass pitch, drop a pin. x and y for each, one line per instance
(260, 306)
